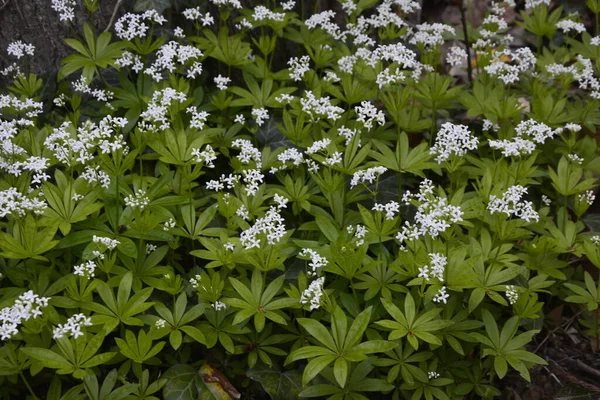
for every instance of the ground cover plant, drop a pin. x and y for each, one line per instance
(385, 213)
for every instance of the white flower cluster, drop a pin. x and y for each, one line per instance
(568, 25)
(441, 296)
(131, 26)
(271, 225)
(222, 82)
(160, 323)
(431, 35)
(433, 216)
(96, 175)
(263, 13)
(457, 56)
(150, 248)
(159, 107)
(368, 113)
(348, 134)
(318, 145)
(316, 260)
(260, 115)
(72, 327)
(28, 305)
(128, 59)
(575, 158)
(433, 375)
(437, 268)
(511, 294)
(82, 86)
(137, 200)
(529, 133)
(586, 78)
(323, 20)
(359, 231)
(281, 201)
(194, 14)
(248, 152)
(587, 197)
(321, 107)
(366, 175)
(227, 3)
(224, 181)
(86, 269)
(252, 178)
(207, 156)
(453, 139)
(299, 67)
(511, 204)
(109, 243)
(219, 305)
(14, 203)
(65, 9)
(595, 239)
(313, 293)
(291, 154)
(170, 224)
(198, 117)
(507, 64)
(529, 4)
(29, 107)
(546, 200)
(172, 54)
(19, 49)
(391, 209)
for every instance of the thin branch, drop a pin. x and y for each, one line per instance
(463, 18)
(114, 15)
(4, 4)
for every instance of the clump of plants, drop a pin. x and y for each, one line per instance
(382, 214)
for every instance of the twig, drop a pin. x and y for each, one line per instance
(4, 4)
(114, 15)
(553, 331)
(568, 377)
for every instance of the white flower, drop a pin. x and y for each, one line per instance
(431, 35)
(262, 13)
(316, 260)
(368, 175)
(529, 4)
(595, 239)
(170, 224)
(240, 119)
(441, 296)
(242, 212)
(368, 113)
(319, 108)
(511, 204)
(207, 156)
(391, 209)
(299, 67)
(511, 294)
(457, 56)
(575, 158)
(85, 269)
(271, 226)
(568, 25)
(137, 200)
(587, 197)
(229, 246)
(433, 215)
(318, 145)
(453, 139)
(19, 49)
(198, 117)
(72, 327)
(109, 243)
(218, 305)
(288, 5)
(28, 305)
(222, 82)
(313, 293)
(160, 323)
(65, 9)
(150, 248)
(260, 115)
(546, 200)
(281, 201)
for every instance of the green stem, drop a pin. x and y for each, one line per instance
(27, 384)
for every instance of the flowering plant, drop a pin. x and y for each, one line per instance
(355, 218)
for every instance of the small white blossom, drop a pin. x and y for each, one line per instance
(72, 327)
(260, 115)
(28, 305)
(313, 293)
(511, 294)
(441, 296)
(222, 82)
(160, 323)
(575, 158)
(368, 113)
(511, 204)
(568, 25)
(457, 56)
(391, 209)
(218, 306)
(85, 269)
(137, 200)
(453, 139)
(366, 175)
(299, 67)
(20, 49)
(271, 227)
(170, 224)
(587, 197)
(316, 260)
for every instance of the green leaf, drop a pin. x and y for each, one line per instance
(318, 331)
(278, 385)
(49, 358)
(340, 371)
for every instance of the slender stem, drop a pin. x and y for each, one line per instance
(597, 24)
(27, 384)
(463, 18)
